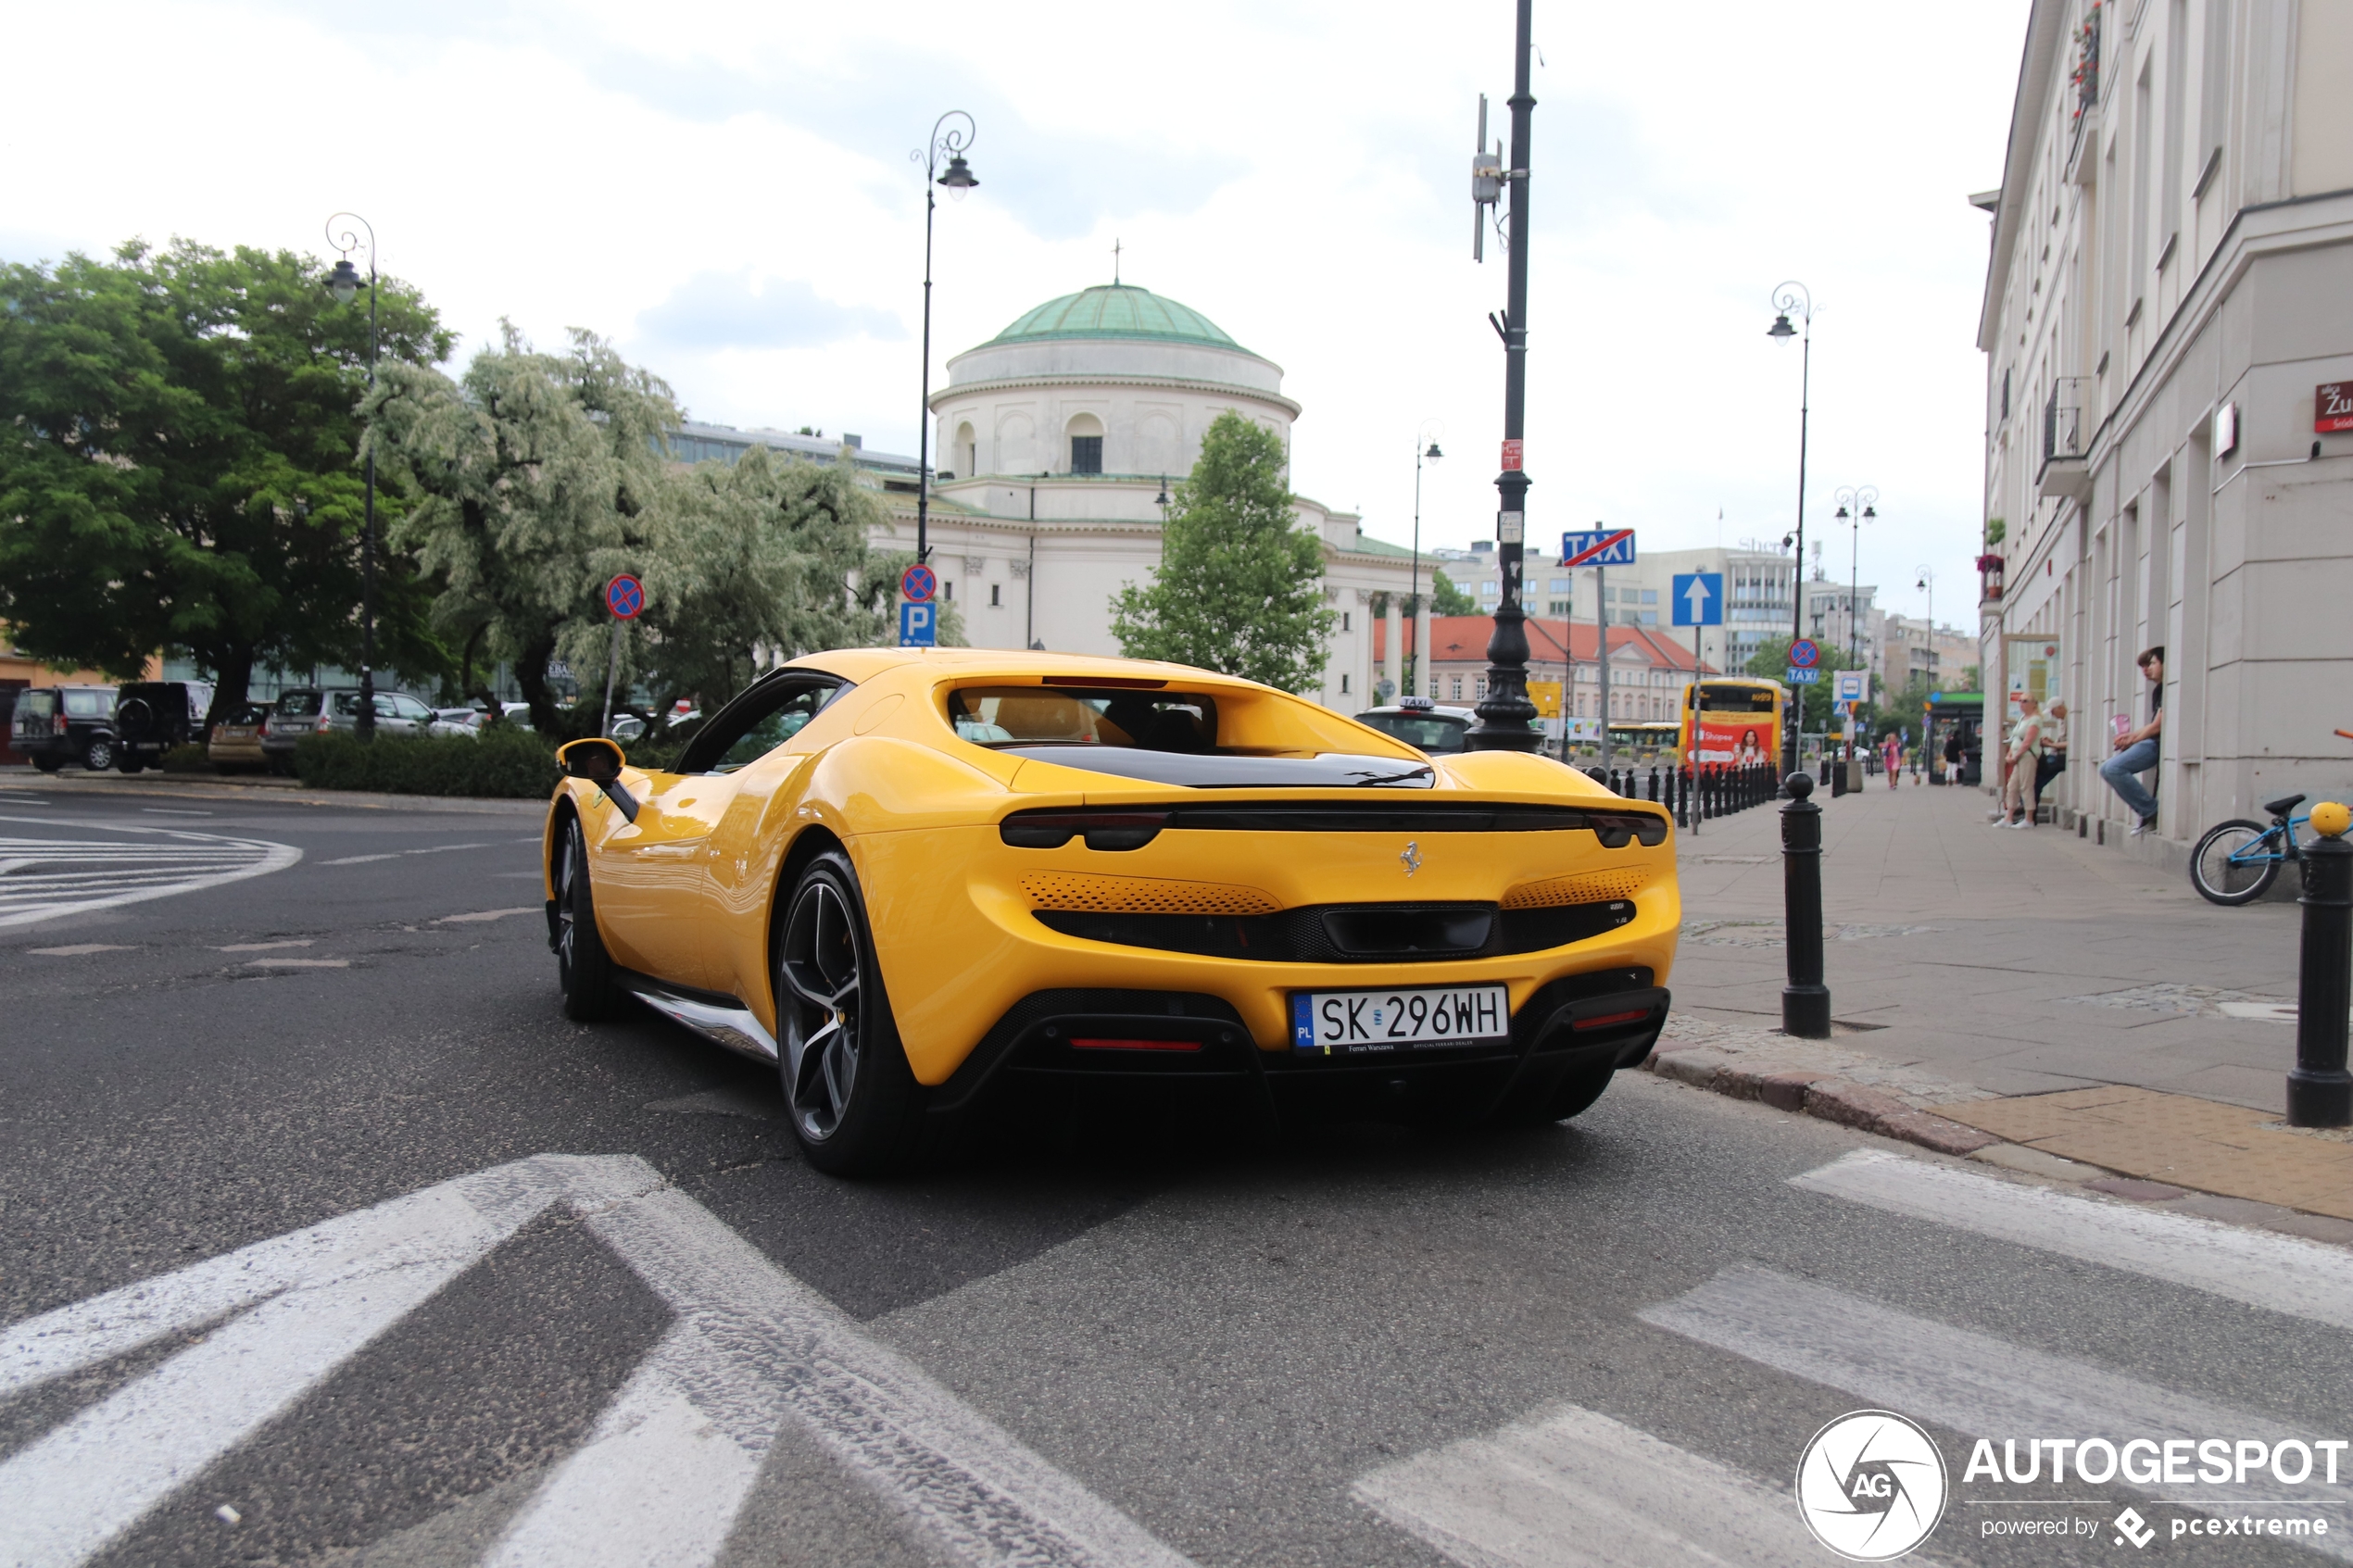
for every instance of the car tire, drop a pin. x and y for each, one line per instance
(99, 755)
(47, 764)
(586, 972)
(1572, 1095)
(279, 763)
(130, 764)
(852, 1099)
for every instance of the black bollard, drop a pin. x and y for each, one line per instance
(1654, 783)
(1805, 1001)
(1682, 798)
(2319, 1092)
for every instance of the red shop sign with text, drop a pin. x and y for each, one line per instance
(1512, 450)
(2333, 407)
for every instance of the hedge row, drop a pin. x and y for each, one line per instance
(503, 762)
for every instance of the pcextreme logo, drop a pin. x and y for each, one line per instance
(1872, 1485)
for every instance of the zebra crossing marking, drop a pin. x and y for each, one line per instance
(2279, 1273)
(1573, 1488)
(667, 1468)
(1956, 1377)
(44, 878)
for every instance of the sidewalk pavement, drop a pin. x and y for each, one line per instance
(257, 790)
(1987, 983)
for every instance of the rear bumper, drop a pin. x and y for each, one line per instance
(1167, 1044)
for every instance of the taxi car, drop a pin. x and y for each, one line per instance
(916, 879)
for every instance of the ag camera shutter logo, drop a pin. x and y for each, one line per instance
(1872, 1485)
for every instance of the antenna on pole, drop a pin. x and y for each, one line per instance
(1487, 182)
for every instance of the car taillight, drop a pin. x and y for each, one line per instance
(1103, 830)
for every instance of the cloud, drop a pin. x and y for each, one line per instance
(721, 310)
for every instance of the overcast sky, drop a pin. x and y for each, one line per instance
(726, 190)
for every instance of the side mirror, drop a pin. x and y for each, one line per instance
(599, 761)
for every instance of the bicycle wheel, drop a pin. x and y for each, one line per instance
(2234, 864)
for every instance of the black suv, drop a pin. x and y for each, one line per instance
(151, 717)
(55, 725)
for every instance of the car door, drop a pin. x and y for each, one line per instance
(650, 876)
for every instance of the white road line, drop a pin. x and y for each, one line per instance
(1972, 1382)
(660, 1481)
(1572, 1488)
(78, 949)
(666, 1470)
(487, 914)
(104, 874)
(298, 963)
(358, 859)
(2279, 1273)
(264, 946)
(445, 848)
(168, 811)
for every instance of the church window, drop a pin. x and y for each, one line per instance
(947, 590)
(1343, 626)
(1086, 434)
(1343, 683)
(996, 594)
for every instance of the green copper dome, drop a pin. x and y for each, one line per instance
(1115, 310)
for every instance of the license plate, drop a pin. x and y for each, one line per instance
(1403, 1019)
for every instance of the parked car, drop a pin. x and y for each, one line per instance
(236, 740)
(469, 721)
(1422, 724)
(319, 710)
(55, 725)
(151, 717)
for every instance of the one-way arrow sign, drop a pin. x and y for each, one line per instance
(1699, 598)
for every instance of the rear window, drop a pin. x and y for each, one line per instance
(1424, 732)
(1737, 699)
(298, 705)
(88, 705)
(1031, 715)
(37, 705)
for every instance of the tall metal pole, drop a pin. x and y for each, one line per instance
(1601, 627)
(958, 179)
(1414, 596)
(364, 723)
(1504, 713)
(1796, 296)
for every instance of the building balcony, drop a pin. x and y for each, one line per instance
(2067, 439)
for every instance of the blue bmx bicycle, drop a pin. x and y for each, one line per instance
(2237, 861)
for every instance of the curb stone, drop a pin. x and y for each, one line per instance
(1821, 1095)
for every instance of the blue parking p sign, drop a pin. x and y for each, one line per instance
(918, 625)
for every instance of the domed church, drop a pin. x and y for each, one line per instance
(1058, 443)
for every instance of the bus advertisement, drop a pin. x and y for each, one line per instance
(1733, 720)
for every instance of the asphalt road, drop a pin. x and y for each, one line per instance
(1604, 1343)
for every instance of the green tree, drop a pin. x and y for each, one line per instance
(758, 558)
(1447, 600)
(1239, 587)
(1812, 702)
(178, 471)
(532, 478)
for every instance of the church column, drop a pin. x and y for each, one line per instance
(1393, 644)
(1422, 661)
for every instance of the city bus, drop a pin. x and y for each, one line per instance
(1734, 720)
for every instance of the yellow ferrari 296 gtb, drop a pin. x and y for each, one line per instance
(918, 880)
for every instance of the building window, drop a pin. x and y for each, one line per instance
(996, 594)
(1085, 453)
(1343, 683)
(1561, 584)
(1490, 590)
(1478, 686)
(1558, 607)
(947, 590)
(1650, 596)
(1458, 687)
(1343, 626)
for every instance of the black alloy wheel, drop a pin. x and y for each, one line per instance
(592, 991)
(97, 754)
(854, 1103)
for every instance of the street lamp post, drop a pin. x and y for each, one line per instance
(1927, 584)
(1787, 298)
(952, 142)
(1414, 596)
(1505, 713)
(1855, 508)
(344, 282)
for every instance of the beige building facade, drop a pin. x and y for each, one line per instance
(2169, 304)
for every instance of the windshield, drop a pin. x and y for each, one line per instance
(1424, 732)
(1714, 698)
(1033, 715)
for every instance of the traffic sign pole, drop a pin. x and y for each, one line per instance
(625, 597)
